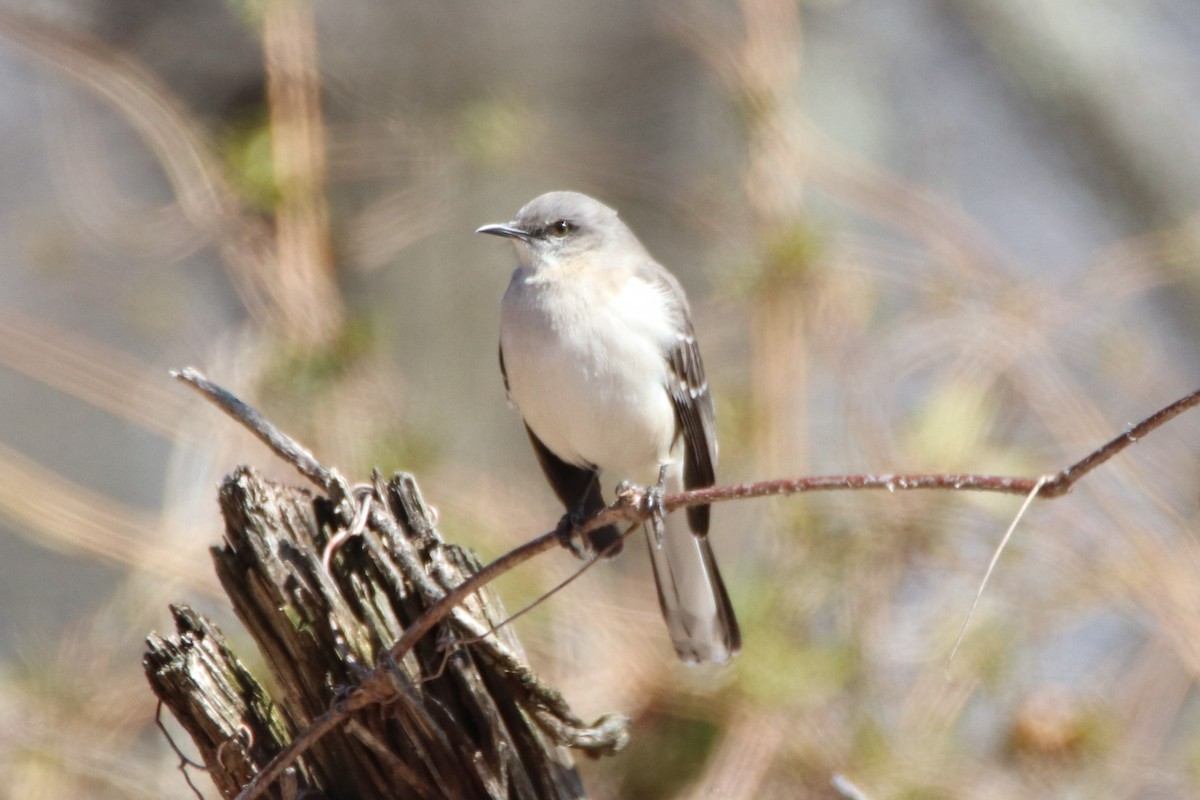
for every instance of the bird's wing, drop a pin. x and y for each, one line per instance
(697, 421)
(689, 392)
(579, 490)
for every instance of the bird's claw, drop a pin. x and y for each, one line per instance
(654, 505)
(651, 501)
(658, 513)
(570, 538)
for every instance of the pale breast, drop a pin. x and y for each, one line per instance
(589, 374)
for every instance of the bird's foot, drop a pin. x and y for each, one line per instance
(569, 536)
(651, 500)
(655, 507)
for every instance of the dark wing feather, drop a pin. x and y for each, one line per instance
(688, 387)
(697, 421)
(579, 490)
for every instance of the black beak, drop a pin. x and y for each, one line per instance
(505, 230)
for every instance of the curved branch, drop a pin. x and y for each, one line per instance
(631, 506)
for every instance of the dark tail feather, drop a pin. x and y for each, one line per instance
(694, 601)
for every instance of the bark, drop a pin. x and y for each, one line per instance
(469, 720)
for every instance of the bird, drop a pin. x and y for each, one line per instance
(599, 355)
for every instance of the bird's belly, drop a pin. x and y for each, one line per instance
(591, 397)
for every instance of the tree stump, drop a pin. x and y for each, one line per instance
(467, 719)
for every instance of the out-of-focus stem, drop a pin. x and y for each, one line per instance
(768, 68)
(306, 291)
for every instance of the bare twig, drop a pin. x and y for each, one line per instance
(630, 507)
(1056, 485)
(626, 509)
(555, 589)
(184, 760)
(285, 757)
(284, 446)
(356, 527)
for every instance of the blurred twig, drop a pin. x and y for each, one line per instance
(760, 65)
(845, 789)
(142, 99)
(99, 375)
(203, 195)
(282, 278)
(298, 145)
(68, 516)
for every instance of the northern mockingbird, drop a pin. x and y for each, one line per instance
(598, 353)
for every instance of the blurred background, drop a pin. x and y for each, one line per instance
(920, 235)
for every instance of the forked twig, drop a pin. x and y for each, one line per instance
(631, 507)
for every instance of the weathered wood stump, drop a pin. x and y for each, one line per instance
(466, 719)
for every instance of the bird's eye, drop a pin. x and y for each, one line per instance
(560, 228)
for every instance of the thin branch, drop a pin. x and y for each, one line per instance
(184, 761)
(284, 446)
(845, 789)
(1056, 485)
(284, 758)
(631, 506)
(1061, 483)
(553, 590)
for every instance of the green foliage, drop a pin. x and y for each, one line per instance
(783, 670)
(670, 752)
(791, 251)
(298, 373)
(494, 132)
(405, 447)
(786, 258)
(953, 423)
(924, 792)
(246, 151)
(872, 742)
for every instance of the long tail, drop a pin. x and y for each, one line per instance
(694, 602)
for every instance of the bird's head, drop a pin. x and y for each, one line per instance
(557, 227)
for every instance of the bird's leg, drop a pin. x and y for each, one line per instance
(568, 537)
(654, 502)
